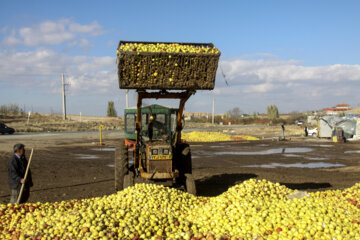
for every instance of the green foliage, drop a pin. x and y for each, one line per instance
(111, 112)
(272, 112)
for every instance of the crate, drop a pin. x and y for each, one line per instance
(167, 70)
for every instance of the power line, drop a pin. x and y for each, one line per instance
(224, 76)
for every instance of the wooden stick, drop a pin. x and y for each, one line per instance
(26, 173)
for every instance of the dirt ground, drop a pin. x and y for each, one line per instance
(71, 165)
(54, 122)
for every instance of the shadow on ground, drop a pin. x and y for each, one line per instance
(215, 185)
(67, 186)
(307, 185)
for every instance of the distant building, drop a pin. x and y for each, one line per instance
(196, 114)
(339, 108)
(355, 110)
(193, 115)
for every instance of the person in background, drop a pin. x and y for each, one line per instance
(16, 169)
(306, 131)
(283, 130)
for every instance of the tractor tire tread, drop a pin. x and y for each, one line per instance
(121, 165)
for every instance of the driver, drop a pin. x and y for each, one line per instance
(154, 124)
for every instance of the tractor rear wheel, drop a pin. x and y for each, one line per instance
(190, 184)
(121, 164)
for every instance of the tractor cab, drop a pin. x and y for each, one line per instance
(158, 124)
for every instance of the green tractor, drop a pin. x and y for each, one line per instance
(155, 153)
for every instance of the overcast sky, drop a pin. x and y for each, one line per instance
(299, 55)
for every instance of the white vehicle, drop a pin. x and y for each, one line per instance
(312, 132)
(300, 123)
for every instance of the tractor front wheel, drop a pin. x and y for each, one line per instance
(121, 164)
(190, 184)
(129, 180)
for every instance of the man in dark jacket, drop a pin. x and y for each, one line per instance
(17, 167)
(283, 130)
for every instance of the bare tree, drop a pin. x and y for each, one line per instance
(234, 113)
(10, 109)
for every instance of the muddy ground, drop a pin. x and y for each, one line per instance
(69, 166)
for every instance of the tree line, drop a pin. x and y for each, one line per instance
(236, 113)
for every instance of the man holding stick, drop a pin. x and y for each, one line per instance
(17, 167)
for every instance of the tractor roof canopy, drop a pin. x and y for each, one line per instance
(155, 109)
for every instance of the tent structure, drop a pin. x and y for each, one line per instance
(328, 126)
(357, 128)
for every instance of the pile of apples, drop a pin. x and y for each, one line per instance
(169, 48)
(254, 209)
(214, 137)
(164, 67)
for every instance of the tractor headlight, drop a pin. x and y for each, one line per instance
(165, 151)
(154, 152)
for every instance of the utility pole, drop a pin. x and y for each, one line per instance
(213, 111)
(63, 97)
(127, 98)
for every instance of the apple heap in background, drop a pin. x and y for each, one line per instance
(214, 137)
(255, 209)
(169, 48)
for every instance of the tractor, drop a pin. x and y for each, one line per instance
(163, 157)
(152, 150)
